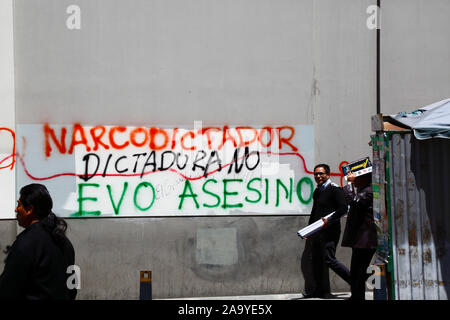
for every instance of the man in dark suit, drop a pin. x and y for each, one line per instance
(327, 197)
(360, 231)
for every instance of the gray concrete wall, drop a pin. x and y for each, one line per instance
(221, 62)
(227, 62)
(415, 51)
(191, 257)
(269, 62)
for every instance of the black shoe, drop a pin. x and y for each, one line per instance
(329, 296)
(313, 295)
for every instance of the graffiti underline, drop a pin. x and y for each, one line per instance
(340, 174)
(12, 155)
(3, 160)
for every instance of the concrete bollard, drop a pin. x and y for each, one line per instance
(145, 292)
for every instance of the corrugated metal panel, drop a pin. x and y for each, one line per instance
(420, 209)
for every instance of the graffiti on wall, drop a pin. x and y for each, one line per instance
(100, 171)
(7, 172)
(7, 160)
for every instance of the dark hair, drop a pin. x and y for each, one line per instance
(37, 195)
(325, 166)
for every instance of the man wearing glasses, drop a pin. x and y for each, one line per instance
(327, 197)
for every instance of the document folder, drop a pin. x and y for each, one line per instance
(313, 227)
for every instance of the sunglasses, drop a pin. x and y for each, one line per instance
(319, 173)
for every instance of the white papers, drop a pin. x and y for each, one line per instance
(313, 227)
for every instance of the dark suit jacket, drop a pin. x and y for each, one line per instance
(360, 230)
(326, 201)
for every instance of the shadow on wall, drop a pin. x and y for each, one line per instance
(429, 164)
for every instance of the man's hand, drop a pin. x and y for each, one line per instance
(351, 177)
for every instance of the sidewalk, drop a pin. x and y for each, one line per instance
(287, 296)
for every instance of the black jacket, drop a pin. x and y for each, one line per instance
(326, 201)
(360, 231)
(36, 267)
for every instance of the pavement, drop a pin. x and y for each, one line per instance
(286, 296)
